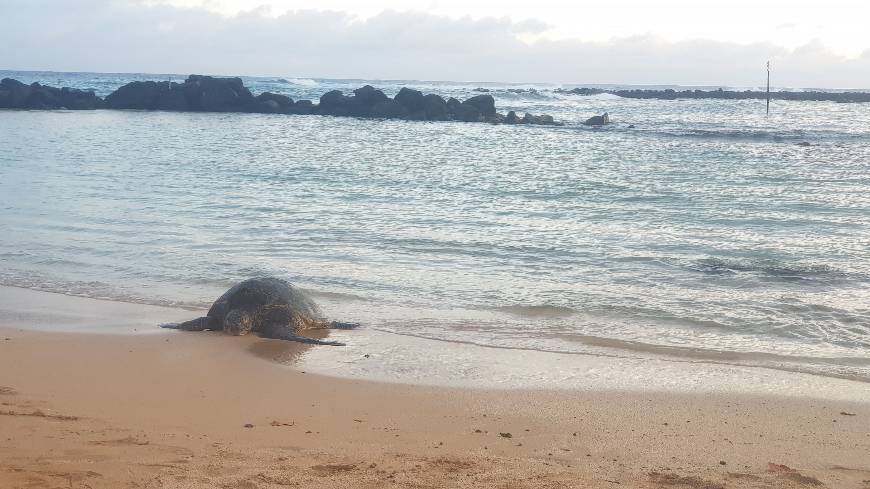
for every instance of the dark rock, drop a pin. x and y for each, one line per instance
(281, 100)
(218, 94)
(197, 93)
(581, 91)
(172, 97)
(364, 101)
(43, 98)
(495, 119)
(17, 95)
(485, 104)
(413, 101)
(14, 94)
(303, 107)
(388, 109)
(334, 103)
(466, 112)
(531, 119)
(272, 103)
(369, 96)
(266, 107)
(453, 104)
(211, 94)
(75, 99)
(598, 120)
(435, 108)
(141, 95)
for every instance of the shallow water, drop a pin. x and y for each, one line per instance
(706, 232)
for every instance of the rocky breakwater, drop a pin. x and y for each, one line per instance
(197, 94)
(17, 95)
(412, 104)
(721, 94)
(200, 93)
(209, 94)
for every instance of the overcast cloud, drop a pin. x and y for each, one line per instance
(127, 36)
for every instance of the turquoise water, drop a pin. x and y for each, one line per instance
(704, 233)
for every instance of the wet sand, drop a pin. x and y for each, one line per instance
(200, 410)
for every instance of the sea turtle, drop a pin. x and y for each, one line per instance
(268, 306)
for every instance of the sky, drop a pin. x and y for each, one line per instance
(702, 42)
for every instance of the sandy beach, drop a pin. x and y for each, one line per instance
(207, 410)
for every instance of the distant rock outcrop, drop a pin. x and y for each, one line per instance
(580, 91)
(722, 94)
(200, 93)
(17, 95)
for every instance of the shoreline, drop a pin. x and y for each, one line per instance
(189, 410)
(377, 355)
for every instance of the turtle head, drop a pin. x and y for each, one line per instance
(238, 323)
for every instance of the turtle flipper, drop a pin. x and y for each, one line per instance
(198, 324)
(341, 325)
(310, 341)
(282, 332)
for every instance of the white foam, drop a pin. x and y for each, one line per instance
(305, 82)
(385, 357)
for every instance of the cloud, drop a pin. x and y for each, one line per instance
(118, 36)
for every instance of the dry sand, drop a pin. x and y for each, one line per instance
(193, 410)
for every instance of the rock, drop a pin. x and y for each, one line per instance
(598, 120)
(369, 96)
(530, 119)
(435, 108)
(303, 107)
(217, 94)
(804, 143)
(388, 109)
(412, 101)
(467, 113)
(483, 103)
(197, 93)
(495, 119)
(17, 95)
(14, 94)
(43, 98)
(266, 107)
(211, 94)
(272, 103)
(141, 95)
(171, 96)
(364, 101)
(581, 91)
(482, 90)
(453, 104)
(334, 103)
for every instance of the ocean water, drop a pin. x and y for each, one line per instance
(704, 234)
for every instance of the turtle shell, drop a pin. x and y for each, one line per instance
(266, 299)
